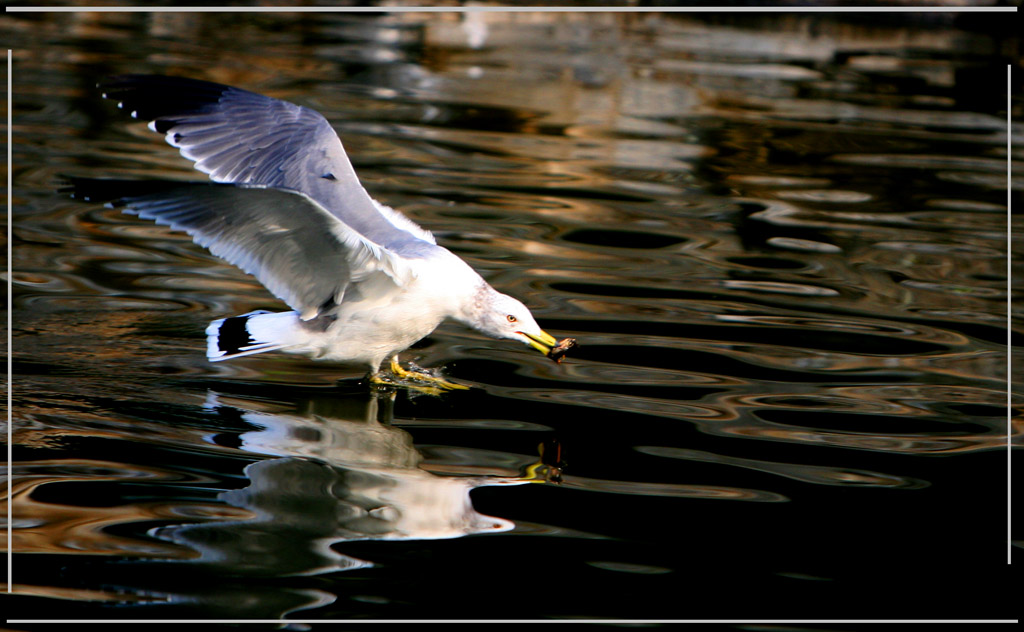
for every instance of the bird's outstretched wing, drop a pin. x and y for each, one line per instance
(302, 253)
(242, 137)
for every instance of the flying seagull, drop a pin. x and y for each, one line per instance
(364, 282)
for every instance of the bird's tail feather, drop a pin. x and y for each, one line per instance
(247, 334)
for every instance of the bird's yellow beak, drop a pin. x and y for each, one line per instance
(543, 343)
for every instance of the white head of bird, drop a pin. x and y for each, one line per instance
(501, 316)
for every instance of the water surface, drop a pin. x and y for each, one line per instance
(782, 245)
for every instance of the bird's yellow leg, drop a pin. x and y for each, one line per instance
(545, 470)
(420, 376)
(378, 378)
(382, 381)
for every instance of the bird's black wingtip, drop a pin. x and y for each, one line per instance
(74, 186)
(96, 190)
(151, 97)
(113, 191)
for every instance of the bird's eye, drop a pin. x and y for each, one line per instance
(511, 318)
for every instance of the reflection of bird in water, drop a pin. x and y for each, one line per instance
(363, 280)
(340, 476)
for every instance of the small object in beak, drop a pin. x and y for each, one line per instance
(562, 348)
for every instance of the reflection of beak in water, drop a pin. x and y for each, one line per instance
(549, 468)
(341, 476)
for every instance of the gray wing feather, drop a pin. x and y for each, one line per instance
(247, 138)
(304, 255)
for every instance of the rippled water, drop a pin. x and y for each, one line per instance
(781, 242)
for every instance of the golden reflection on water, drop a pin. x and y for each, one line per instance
(42, 527)
(74, 594)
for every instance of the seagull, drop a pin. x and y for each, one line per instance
(362, 280)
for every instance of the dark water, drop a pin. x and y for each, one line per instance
(781, 242)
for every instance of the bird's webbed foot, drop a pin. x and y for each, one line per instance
(415, 379)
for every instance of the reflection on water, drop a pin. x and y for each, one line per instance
(780, 240)
(345, 478)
